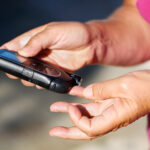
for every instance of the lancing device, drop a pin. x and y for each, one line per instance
(40, 73)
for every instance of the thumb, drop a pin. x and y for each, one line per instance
(58, 36)
(35, 45)
(100, 91)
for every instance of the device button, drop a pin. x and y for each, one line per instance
(41, 79)
(27, 73)
(60, 86)
(53, 86)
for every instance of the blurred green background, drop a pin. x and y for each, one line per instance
(25, 118)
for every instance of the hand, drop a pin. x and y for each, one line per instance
(65, 44)
(116, 103)
(122, 39)
(68, 45)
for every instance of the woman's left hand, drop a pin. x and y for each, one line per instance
(115, 104)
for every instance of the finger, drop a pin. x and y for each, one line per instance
(69, 133)
(36, 44)
(39, 87)
(88, 109)
(11, 76)
(58, 36)
(77, 91)
(26, 83)
(100, 91)
(97, 126)
(20, 41)
(59, 107)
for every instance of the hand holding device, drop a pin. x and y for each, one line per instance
(37, 72)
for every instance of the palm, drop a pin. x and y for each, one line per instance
(70, 60)
(94, 119)
(118, 102)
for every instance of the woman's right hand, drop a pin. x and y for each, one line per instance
(68, 45)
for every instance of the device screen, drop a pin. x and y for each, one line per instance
(31, 63)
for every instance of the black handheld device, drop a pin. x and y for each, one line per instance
(38, 72)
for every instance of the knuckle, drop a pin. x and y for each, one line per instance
(90, 134)
(91, 138)
(53, 26)
(141, 73)
(125, 82)
(32, 42)
(133, 77)
(98, 90)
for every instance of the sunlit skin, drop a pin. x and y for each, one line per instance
(122, 40)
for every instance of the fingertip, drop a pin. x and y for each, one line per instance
(24, 52)
(26, 83)
(11, 76)
(52, 132)
(29, 51)
(3, 47)
(39, 87)
(77, 91)
(57, 131)
(52, 107)
(88, 92)
(9, 46)
(59, 107)
(69, 133)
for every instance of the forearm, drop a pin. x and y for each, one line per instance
(122, 39)
(130, 2)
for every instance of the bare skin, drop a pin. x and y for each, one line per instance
(115, 41)
(114, 104)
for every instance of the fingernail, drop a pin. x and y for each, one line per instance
(54, 133)
(23, 52)
(76, 91)
(73, 92)
(88, 92)
(53, 108)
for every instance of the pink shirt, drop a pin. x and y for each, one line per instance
(144, 9)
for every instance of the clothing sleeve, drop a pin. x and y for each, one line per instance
(144, 9)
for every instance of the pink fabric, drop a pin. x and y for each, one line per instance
(148, 127)
(144, 8)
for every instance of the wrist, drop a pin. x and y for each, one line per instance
(98, 41)
(124, 31)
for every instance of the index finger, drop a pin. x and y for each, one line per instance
(20, 41)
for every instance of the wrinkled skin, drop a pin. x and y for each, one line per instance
(123, 39)
(115, 103)
(63, 41)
